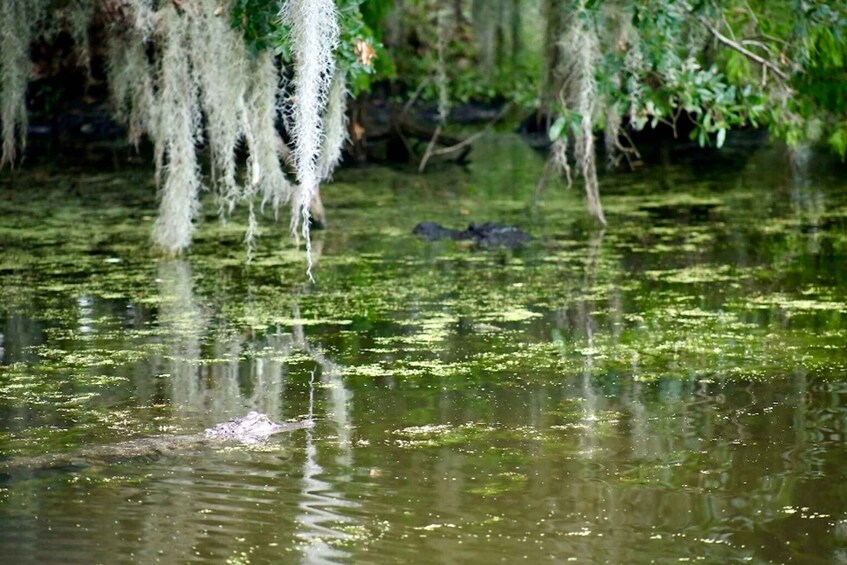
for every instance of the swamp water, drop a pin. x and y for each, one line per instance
(672, 389)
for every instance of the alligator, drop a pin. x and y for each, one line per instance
(488, 234)
(252, 429)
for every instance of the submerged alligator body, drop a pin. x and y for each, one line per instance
(488, 234)
(252, 429)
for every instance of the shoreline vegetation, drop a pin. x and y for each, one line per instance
(259, 100)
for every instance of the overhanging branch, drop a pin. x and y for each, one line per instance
(744, 51)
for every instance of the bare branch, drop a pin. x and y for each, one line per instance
(744, 51)
(429, 149)
(467, 141)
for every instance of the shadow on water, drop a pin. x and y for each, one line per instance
(671, 388)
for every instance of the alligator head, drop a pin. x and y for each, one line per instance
(251, 429)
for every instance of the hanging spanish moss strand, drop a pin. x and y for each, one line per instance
(130, 74)
(579, 54)
(516, 25)
(552, 15)
(143, 16)
(314, 38)
(441, 81)
(220, 63)
(635, 67)
(335, 126)
(17, 20)
(130, 84)
(485, 22)
(176, 136)
(79, 18)
(587, 54)
(220, 58)
(265, 172)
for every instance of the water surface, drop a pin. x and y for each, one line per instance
(669, 389)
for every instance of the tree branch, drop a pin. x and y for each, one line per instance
(429, 148)
(467, 141)
(744, 51)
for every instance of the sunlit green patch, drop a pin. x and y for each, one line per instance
(493, 440)
(56, 359)
(696, 274)
(661, 474)
(433, 330)
(440, 435)
(431, 368)
(675, 468)
(20, 386)
(778, 226)
(592, 422)
(671, 201)
(500, 483)
(789, 303)
(568, 410)
(372, 370)
(512, 315)
(340, 535)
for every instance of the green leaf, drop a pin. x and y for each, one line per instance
(838, 141)
(721, 137)
(556, 129)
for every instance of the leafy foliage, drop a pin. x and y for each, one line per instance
(361, 54)
(491, 49)
(259, 22)
(263, 29)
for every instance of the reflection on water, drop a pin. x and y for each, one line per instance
(670, 389)
(321, 504)
(215, 388)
